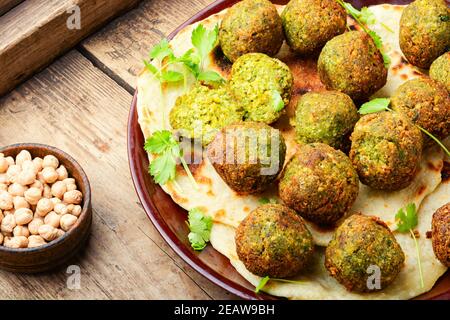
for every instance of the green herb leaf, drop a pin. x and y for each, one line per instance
(277, 101)
(191, 61)
(210, 77)
(366, 16)
(262, 283)
(265, 200)
(151, 68)
(408, 221)
(161, 50)
(200, 227)
(160, 142)
(204, 40)
(439, 143)
(350, 9)
(171, 76)
(375, 105)
(163, 168)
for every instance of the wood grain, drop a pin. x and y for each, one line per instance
(119, 48)
(35, 32)
(6, 5)
(77, 108)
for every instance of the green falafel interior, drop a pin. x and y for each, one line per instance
(271, 83)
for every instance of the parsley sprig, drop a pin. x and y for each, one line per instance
(200, 227)
(262, 283)
(364, 17)
(382, 104)
(406, 222)
(168, 152)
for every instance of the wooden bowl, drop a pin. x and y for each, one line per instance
(170, 219)
(59, 251)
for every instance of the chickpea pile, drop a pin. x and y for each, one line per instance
(39, 202)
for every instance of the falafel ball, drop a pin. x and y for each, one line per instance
(261, 84)
(202, 111)
(352, 64)
(274, 241)
(440, 70)
(320, 183)
(328, 117)
(309, 24)
(440, 234)
(248, 156)
(427, 103)
(424, 31)
(251, 26)
(360, 243)
(386, 150)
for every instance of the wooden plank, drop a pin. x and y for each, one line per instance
(6, 5)
(36, 31)
(119, 48)
(75, 107)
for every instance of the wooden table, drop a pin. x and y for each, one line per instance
(80, 104)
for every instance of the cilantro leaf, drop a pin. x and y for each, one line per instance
(163, 168)
(277, 101)
(161, 50)
(160, 142)
(375, 105)
(262, 283)
(151, 68)
(366, 16)
(191, 61)
(408, 221)
(200, 227)
(171, 76)
(210, 77)
(204, 40)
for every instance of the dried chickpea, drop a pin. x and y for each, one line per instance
(28, 165)
(73, 196)
(16, 189)
(47, 193)
(76, 211)
(6, 201)
(67, 221)
(58, 189)
(33, 195)
(26, 177)
(34, 225)
(50, 161)
(23, 216)
(8, 224)
(12, 172)
(21, 231)
(55, 201)
(3, 165)
(48, 232)
(40, 177)
(35, 241)
(20, 202)
(69, 181)
(62, 173)
(52, 219)
(10, 160)
(1, 238)
(4, 178)
(44, 206)
(71, 187)
(1, 216)
(61, 209)
(16, 242)
(3, 187)
(37, 184)
(37, 162)
(49, 174)
(61, 233)
(23, 156)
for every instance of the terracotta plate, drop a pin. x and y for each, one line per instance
(170, 219)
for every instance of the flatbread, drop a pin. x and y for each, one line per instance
(228, 209)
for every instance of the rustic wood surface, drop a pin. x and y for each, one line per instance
(36, 31)
(6, 5)
(75, 106)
